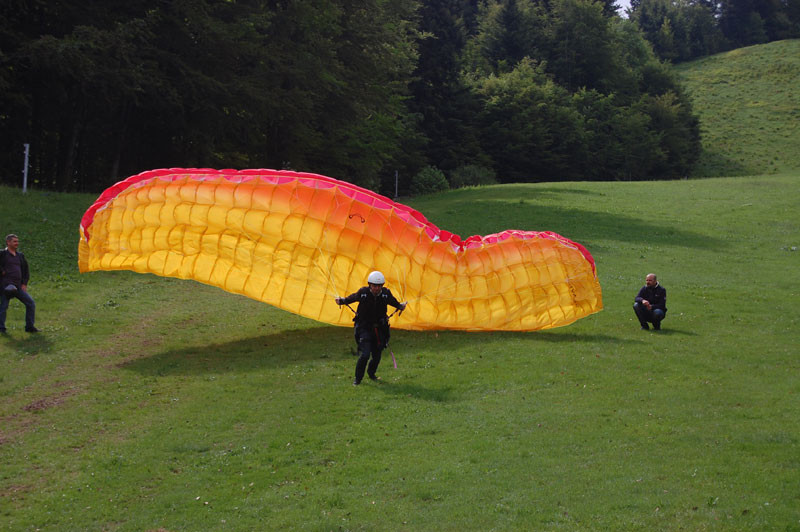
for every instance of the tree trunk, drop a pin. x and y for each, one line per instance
(70, 133)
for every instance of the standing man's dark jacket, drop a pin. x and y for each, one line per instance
(24, 270)
(656, 295)
(371, 309)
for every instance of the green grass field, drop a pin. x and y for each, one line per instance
(152, 404)
(159, 404)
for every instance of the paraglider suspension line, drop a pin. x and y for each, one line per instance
(378, 336)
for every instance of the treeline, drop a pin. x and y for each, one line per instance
(681, 30)
(363, 90)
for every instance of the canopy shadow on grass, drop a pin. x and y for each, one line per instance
(557, 335)
(301, 346)
(280, 349)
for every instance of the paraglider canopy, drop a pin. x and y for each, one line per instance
(295, 239)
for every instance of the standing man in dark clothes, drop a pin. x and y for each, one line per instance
(372, 323)
(14, 276)
(650, 304)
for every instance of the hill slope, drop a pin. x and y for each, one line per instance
(749, 109)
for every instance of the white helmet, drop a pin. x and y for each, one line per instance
(376, 277)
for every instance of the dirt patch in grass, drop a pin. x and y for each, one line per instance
(15, 493)
(17, 424)
(128, 343)
(13, 426)
(133, 343)
(50, 401)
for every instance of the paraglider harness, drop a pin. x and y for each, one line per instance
(381, 330)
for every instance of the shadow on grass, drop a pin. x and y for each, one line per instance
(527, 208)
(587, 225)
(301, 346)
(280, 349)
(515, 192)
(716, 163)
(559, 337)
(563, 190)
(666, 331)
(437, 395)
(30, 344)
(451, 339)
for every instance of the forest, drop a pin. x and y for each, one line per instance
(401, 96)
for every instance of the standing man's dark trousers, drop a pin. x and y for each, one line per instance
(369, 345)
(30, 309)
(653, 316)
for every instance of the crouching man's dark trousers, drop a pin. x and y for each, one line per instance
(653, 316)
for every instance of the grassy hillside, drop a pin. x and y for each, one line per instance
(159, 404)
(749, 107)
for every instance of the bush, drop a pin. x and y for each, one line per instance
(472, 175)
(430, 179)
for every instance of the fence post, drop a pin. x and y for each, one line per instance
(25, 169)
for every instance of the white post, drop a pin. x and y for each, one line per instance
(25, 169)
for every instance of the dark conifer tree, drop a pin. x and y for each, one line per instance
(441, 100)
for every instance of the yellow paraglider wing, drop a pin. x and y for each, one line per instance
(297, 240)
